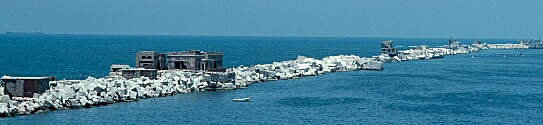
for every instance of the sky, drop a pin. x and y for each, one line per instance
(339, 18)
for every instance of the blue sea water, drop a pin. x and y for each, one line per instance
(477, 88)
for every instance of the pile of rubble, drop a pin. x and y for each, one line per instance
(69, 94)
(507, 46)
(424, 53)
(303, 66)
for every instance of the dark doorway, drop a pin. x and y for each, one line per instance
(30, 87)
(177, 65)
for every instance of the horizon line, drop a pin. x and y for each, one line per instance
(267, 35)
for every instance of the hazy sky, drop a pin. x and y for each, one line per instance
(398, 18)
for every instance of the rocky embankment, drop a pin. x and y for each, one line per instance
(424, 52)
(507, 46)
(70, 94)
(73, 94)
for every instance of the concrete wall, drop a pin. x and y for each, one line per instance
(25, 88)
(135, 73)
(195, 60)
(150, 60)
(217, 61)
(190, 62)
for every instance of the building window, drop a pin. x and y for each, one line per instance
(149, 57)
(142, 57)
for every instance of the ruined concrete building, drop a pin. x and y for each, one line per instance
(116, 69)
(192, 60)
(139, 72)
(196, 60)
(387, 48)
(151, 60)
(25, 86)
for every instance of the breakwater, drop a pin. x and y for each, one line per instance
(69, 94)
(101, 91)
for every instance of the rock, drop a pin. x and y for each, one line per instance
(140, 92)
(103, 94)
(74, 103)
(95, 100)
(228, 85)
(90, 78)
(70, 93)
(176, 78)
(29, 107)
(48, 104)
(76, 87)
(108, 99)
(4, 110)
(35, 105)
(13, 110)
(1, 91)
(21, 108)
(133, 95)
(83, 101)
(180, 89)
(99, 88)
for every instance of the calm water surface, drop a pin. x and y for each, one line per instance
(478, 88)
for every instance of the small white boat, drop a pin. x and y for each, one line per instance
(240, 99)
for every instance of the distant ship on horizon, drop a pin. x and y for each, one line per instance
(23, 33)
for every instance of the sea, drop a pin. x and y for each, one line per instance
(487, 87)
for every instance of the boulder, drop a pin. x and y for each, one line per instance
(5, 99)
(84, 101)
(141, 93)
(180, 89)
(48, 104)
(99, 88)
(21, 108)
(176, 78)
(90, 78)
(1, 91)
(228, 85)
(69, 94)
(4, 110)
(77, 87)
(35, 105)
(108, 99)
(133, 95)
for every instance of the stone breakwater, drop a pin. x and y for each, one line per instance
(73, 94)
(70, 94)
(507, 46)
(424, 52)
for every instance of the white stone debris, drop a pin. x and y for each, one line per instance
(507, 46)
(424, 52)
(66, 94)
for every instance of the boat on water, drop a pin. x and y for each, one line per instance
(240, 99)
